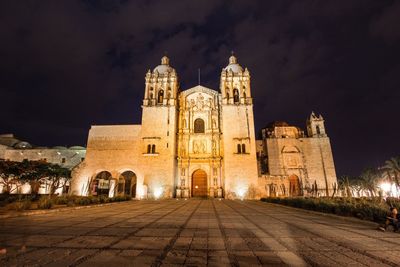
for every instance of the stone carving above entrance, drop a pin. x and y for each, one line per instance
(199, 146)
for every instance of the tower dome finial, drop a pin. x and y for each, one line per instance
(232, 58)
(165, 60)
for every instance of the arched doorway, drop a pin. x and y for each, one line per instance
(127, 184)
(101, 184)
(294, 186)
(199, 183)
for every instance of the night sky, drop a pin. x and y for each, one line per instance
(65, 65)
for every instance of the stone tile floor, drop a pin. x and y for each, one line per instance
(193, 233)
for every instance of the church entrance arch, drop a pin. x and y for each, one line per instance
(127, 184)
(294, 186)
(199, 183)
(101, 184)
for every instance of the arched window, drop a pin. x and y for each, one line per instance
(153, 149)
(243, 148)
(239, 149)
(160, 96)
(148, 149)
(199, 126)
(235, 95)
(318, 130)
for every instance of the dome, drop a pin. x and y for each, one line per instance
(233, 65)
(60, 147)
(164, 67)
(77, 148)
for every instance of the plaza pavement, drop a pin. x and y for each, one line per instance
(194, 232)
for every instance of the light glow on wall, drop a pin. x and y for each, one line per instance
(158, 192)
(241, 191)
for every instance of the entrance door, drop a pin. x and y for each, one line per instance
(294, 186)
(199, 184)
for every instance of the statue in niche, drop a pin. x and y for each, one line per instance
(195, 147)
(183, 150)
(214, 123)
(183, 171)
(214, 147)
(182, 182)
(210, 103)
(202, 147)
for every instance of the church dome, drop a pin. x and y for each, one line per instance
(164, 67)
(233, 65)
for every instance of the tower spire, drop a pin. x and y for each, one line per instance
(199, 74)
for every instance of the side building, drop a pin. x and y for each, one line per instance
(295, 163)
(13, 149)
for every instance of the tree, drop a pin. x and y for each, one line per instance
(368, 181)
(33, 172)
(392, 170)
(57, 176)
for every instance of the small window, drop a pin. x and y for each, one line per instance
(318, 130)
(148, 149)
(243, 148)
(63, 160)
(153, 149)
(239, 149)
(82, 159)
(160, 96)
(235, 95)
(198, 126)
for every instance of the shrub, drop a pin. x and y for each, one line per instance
(82, 201)
(62, 200)
(363, 208)
(45, 203)
(20, 205)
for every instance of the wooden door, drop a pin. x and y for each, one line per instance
(294, 184)
(199, 184)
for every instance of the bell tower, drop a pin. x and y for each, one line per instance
(159, 128)
(316, 126)
(161, 85)
(235, 83)
(239, 146)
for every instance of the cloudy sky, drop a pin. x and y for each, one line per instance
(65, 65)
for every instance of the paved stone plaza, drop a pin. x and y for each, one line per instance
(193, 233)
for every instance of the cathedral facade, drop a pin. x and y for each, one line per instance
(197, 142)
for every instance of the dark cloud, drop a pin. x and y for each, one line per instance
(68, 64)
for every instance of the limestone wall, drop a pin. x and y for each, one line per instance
(240, 169)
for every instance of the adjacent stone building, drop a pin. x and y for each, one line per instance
(200, 142)
(295, 163)
(13, 149)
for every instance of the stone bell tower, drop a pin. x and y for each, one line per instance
(240, 162)
(316, 126)
(159, 127)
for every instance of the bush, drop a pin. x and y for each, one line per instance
(120, 198)
(20, 205)
(82, 201)
(367, 209)
(62, 200)
(45, 203)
